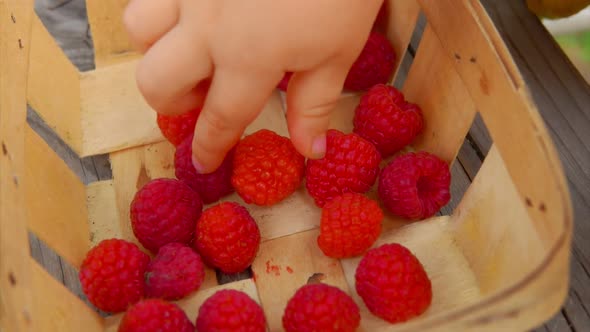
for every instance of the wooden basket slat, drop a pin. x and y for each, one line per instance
(514, 124)
(114, 115)
(82, 108)
(56, 201)
(524, 306)
(400, 24)
(285, 264)
(56, 309)
(103, 215)
(448, 109)
(54, 86)
(111, 44)
(16, 293)
(493, 229)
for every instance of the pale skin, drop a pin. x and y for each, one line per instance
(228, 56)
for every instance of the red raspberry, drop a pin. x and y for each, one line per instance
(350, 224)
(112, 275)
(285, 81)
(212, 186)
(385, 119)
(393, 284)
(321, 307)
(415, 185)
(176, 128)
(174, 273)
(267, 168)
(374, 65)
(227, 237)
(351, 164)
(230, 310)
(155, 315)
(165, 211)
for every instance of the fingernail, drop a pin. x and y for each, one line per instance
(197, 165)
(318, 146)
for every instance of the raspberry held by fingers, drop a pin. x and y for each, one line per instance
(176, 128)
(211, 186)
(267, 168)
(351, 164)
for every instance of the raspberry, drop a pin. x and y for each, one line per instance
(212, 186)
(285, 81)
(393, 284)
(415, 185)
(385, 119)
(155, 315)
(374, 65)
(230, 310)
(350, 224)
(176, 128)
(174, 273)
(227, 237)
(112, 275)
(165, 211)
(351, 164)
(267, 168)
(321, 307)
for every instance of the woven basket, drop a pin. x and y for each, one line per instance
(499, 261)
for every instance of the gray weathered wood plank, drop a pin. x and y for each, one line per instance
(558, 324)
(66, 20)
(46, 257)
(88, 169)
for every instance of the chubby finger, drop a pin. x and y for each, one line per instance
(193, 99)
(311, 98)
(147, 21)
(234, 100)
(170, 70)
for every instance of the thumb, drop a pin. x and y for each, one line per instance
(311, 98)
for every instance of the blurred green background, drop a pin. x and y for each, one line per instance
(571, 30)
(577, 46)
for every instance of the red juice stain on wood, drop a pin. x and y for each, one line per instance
(289, 269)
(271, 268)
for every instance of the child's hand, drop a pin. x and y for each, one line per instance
(242, 48)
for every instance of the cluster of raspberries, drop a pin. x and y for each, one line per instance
(185, 224)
